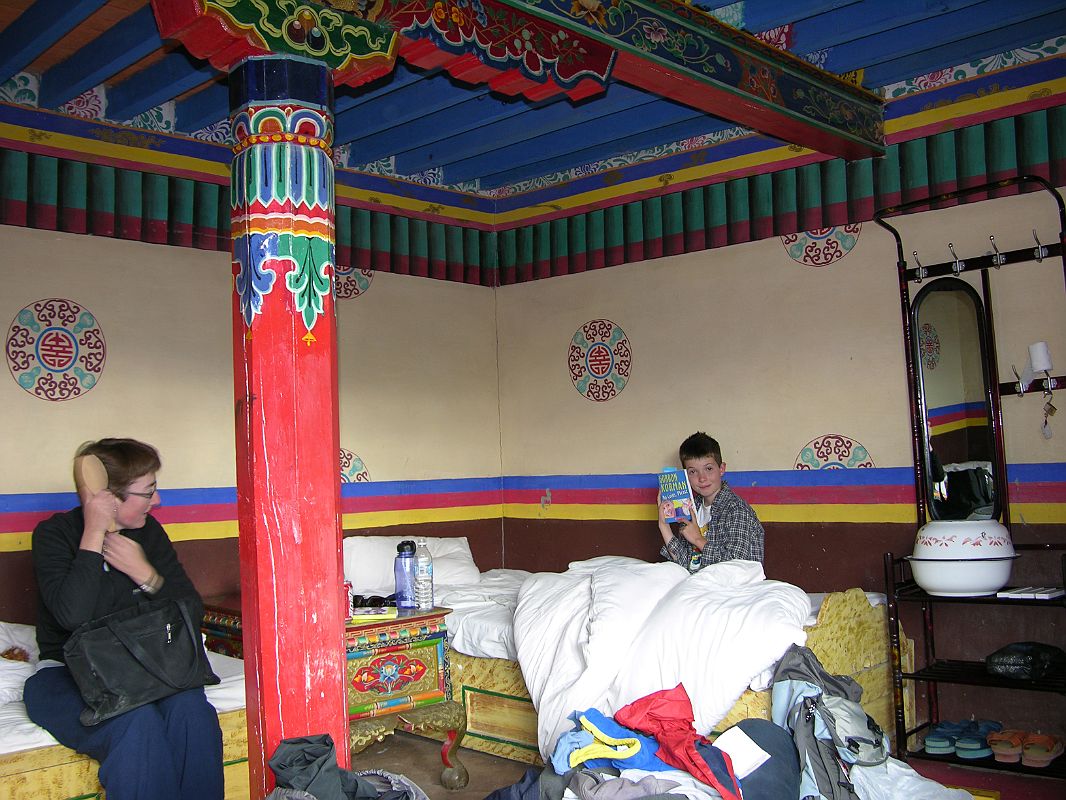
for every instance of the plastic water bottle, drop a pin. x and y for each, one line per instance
(423, 576)
(404, 571)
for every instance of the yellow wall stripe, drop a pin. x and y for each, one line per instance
(112, 151)
(1021, 513)
(951, 112)
(959, 424)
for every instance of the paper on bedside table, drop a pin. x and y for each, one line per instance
(743, 752)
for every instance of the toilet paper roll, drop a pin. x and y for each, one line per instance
(1040, 357)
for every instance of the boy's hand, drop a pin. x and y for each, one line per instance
(663, 508)
(691, 531)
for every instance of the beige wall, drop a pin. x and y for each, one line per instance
(762, 351)
(417, 366)
(779, 352)
(164, 312)
(418, 379)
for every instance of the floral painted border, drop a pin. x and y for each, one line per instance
(833, 451)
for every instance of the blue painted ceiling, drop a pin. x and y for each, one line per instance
(422, 120)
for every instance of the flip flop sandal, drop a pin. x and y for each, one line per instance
(972, 747)
(939, 744)
(983, 727)
(952, 729)
(1040, 749)
(1007, 745)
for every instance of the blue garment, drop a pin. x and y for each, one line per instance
(526, 788)
(568, 743)
(776, 778)
(167, 750)
(645, 758)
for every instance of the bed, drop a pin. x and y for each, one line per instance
(33, 766)
(505, 640)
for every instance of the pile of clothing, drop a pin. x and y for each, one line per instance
(650, 748)
(305, 768)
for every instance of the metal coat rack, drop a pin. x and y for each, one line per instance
(956, 266)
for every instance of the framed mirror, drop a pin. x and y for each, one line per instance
(951, 350)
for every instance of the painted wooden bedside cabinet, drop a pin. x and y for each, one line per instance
(397, 677)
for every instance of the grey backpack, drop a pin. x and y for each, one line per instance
(828, 724)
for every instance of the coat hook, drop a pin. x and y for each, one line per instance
(1020, 388)
(958, 265)
(920, 272)
(1040, 253)
(998, 259)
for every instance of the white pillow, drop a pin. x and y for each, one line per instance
(14, 634)
(13, 674)
(368, 562)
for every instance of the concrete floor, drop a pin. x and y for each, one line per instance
(418, 758)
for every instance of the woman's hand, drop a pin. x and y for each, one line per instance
(99, 511)
(128, 557)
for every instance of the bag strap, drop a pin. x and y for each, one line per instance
(150, 663)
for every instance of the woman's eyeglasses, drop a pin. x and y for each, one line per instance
(145, 495)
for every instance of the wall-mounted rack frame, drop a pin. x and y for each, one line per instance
(1038, 385)
(957, 266)
(994, 260)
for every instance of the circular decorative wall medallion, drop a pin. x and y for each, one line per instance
(833, 451)
(822, 246)
(599, 360)
(353, 470)
(929, 345)
(352, 282)
(55, 349)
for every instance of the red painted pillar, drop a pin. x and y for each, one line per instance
(285, 387)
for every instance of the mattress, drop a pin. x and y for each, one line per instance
(17, 732)
(481, 623)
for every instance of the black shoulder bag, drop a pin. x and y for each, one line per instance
(136, 656)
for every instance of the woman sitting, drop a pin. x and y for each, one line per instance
(171, 748)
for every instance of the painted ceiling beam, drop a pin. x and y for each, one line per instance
(356, 50)
(623, 125)
(688, 56)
(206, 107)
(38, 28)
(108, 54)
(572, 159)
(165, 79)
(484, 138)
(993, 43)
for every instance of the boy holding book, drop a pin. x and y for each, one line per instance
(723, 527)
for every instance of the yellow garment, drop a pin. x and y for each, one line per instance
(604, 746)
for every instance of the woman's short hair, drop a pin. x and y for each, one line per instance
(125, 460)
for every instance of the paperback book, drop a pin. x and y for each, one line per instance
(675, 495)
(372, 613)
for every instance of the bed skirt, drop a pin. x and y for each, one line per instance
(57, 773)
(850, 637)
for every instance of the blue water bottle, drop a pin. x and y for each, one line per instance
(404, 570)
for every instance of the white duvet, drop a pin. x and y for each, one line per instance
(611, 630)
